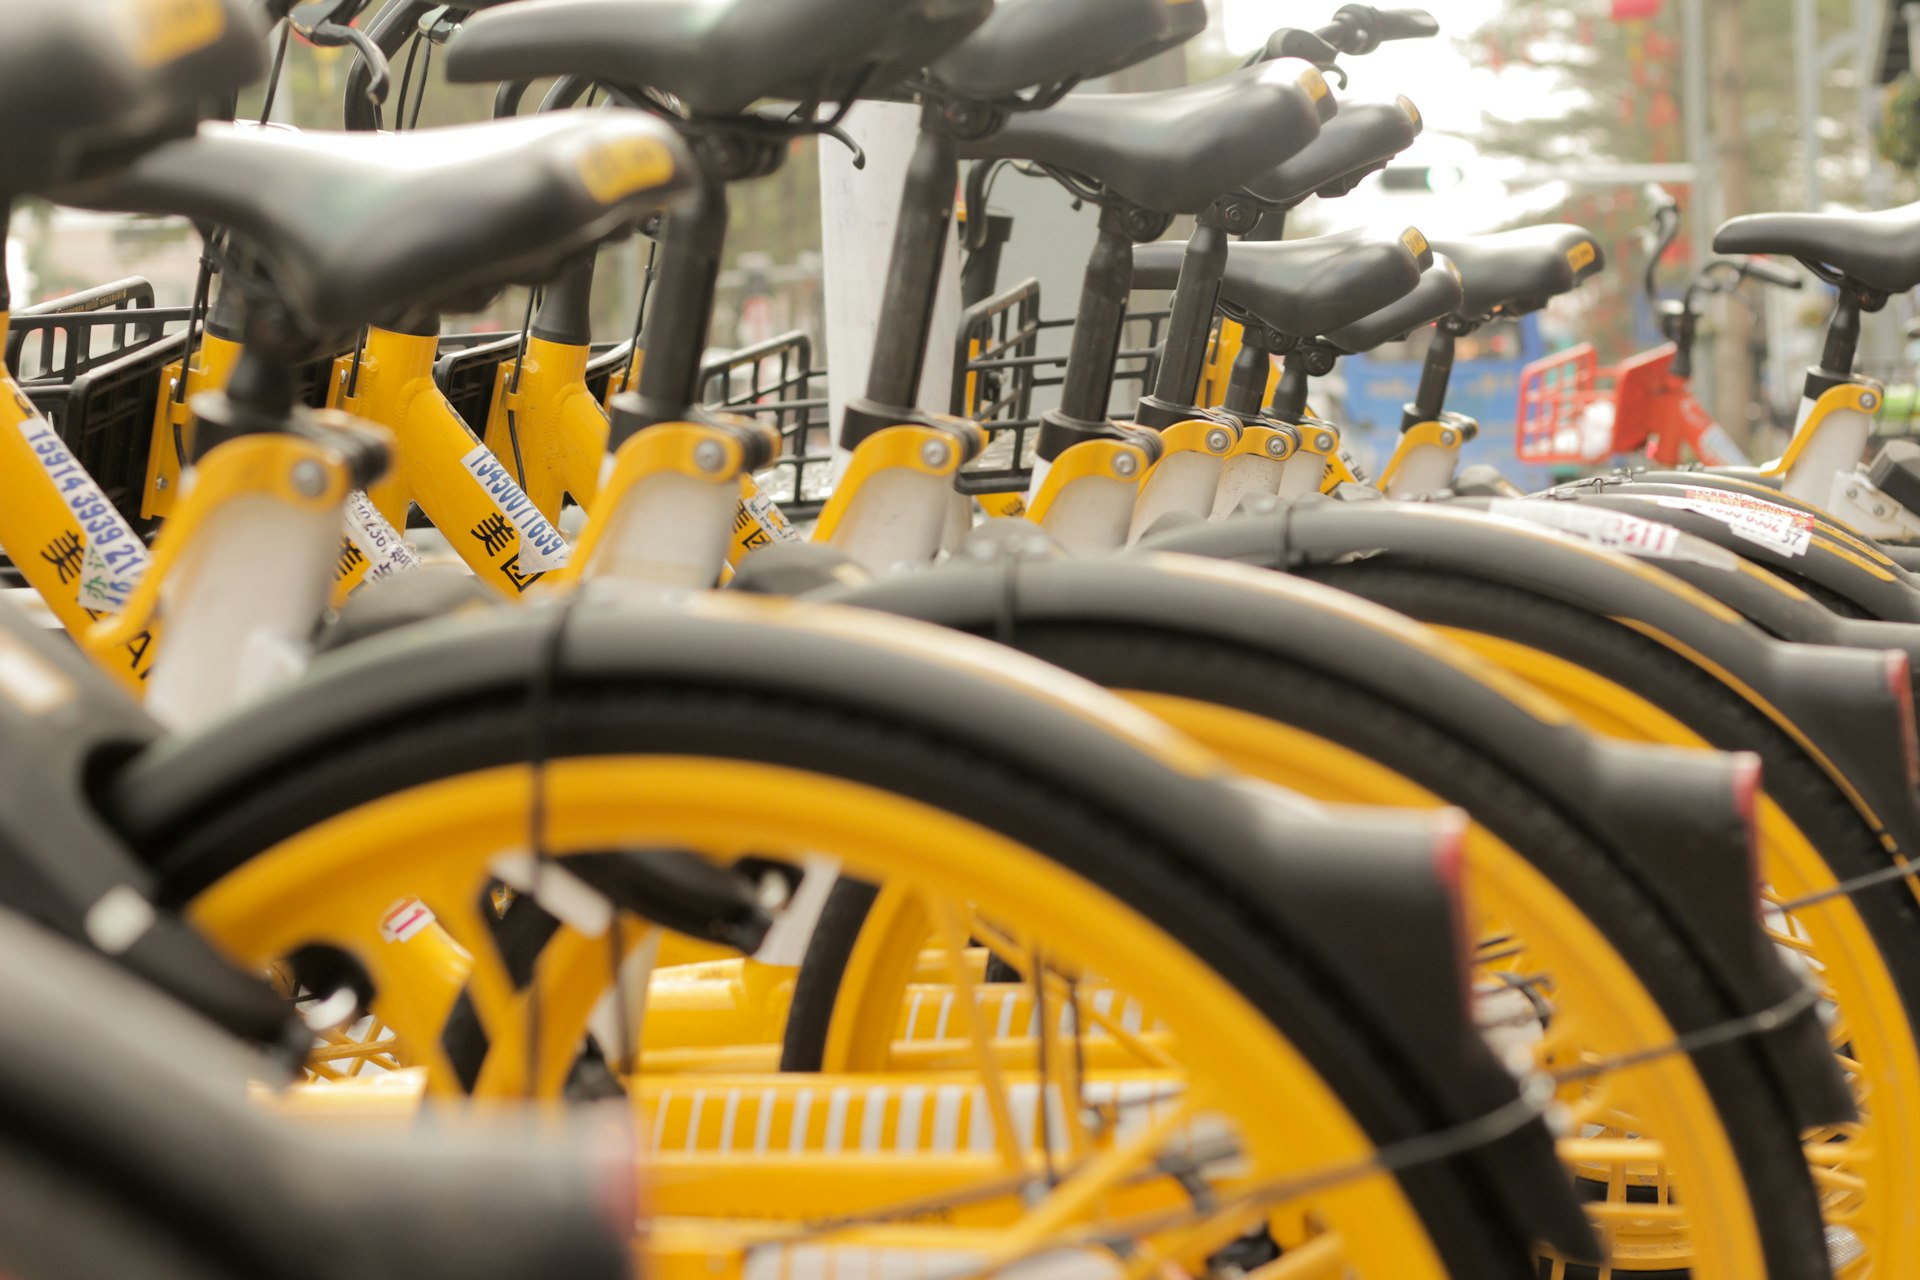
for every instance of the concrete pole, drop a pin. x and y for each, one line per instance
(1732, 347)
(858, 209)
(1703, 209)
(1806, 49)
(1880, 335)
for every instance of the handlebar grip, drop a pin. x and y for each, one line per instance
(1361, 28)
(1405, 24)
(1761, 269)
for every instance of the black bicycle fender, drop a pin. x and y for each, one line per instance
(1868, 765)
(1642, 804)
(61, 718)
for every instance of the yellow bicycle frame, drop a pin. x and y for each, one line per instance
(63, 534)
(443, 467)
(206, 368)
(559, 426)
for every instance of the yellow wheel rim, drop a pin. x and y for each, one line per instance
(334, 882)
(1600, 1008)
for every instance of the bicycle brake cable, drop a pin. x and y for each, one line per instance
(513, 389)
(273, 73)
(420, 94)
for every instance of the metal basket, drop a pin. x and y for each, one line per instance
(998, 369)
(776, 380)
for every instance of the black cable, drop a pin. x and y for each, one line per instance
(420, 95)
(353, 369)
(640, 312)
(513, 389)
(273, 73)
(196, 319)
(1847, 888)
(1037, 964)
(1771, 1018)
(406, 82)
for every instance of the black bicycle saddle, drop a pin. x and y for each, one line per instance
(1306, 288)
(718, 57)
(1027, 43)
(1879, 250)
(86, 83)
(1173, 150)
(1438, 294)
(1362, 138)
(1513, 272)
(361, 227)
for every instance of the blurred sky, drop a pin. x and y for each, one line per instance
(1452, 95)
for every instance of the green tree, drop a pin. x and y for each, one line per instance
(1621, 85)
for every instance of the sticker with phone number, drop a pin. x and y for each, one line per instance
(112, 558)
(541, 546)
(1616, 530)
(1768, 524)
(386, 551)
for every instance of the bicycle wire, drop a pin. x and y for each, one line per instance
(273, 73)
(1536, 1101)
(513, 388)
(420, 95)
(1848, 888)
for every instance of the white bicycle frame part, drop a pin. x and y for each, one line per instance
(1244, 475)
(241, 606)
(897, 520)
(669, 529)
(1831, 453)
(1182, 481)
(1424, 469)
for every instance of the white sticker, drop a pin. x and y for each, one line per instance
(108, 562)
(404, 919)
(385, 550)
(1616, 530)
(541, 546)
(766, 513)
(1777, 528)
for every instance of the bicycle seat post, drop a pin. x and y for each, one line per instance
(913, 274)
(692, 242)
(1195, 296)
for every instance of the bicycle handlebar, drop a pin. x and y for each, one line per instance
(390, 29)
(1356, 29)
(1761, 269)
(1294, 42)
(1361, 28)
(1666, 223)
(308, 15)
